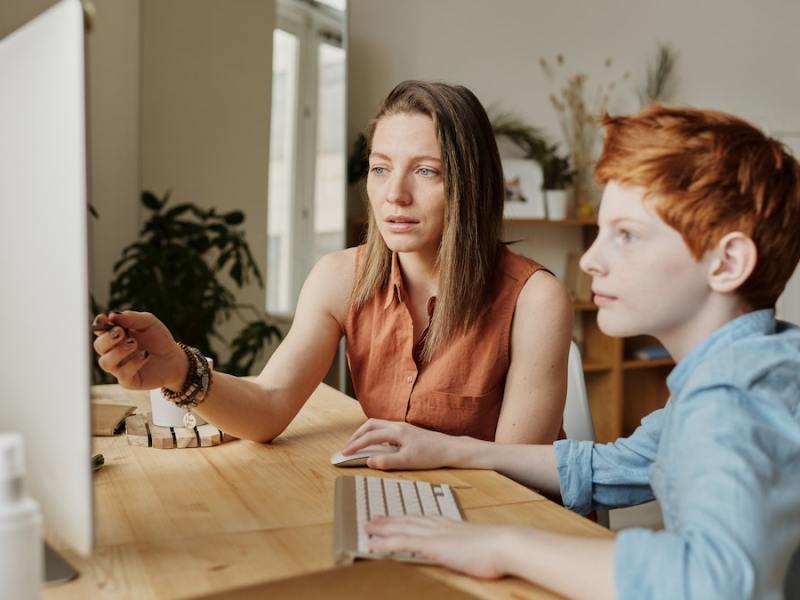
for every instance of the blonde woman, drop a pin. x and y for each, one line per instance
(445, 328)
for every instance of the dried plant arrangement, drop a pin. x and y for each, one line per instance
(579, 120)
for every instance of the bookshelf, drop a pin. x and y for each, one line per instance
(622, 388)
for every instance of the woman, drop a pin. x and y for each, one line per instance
(445, 328)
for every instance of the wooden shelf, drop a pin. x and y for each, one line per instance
(567, 221)
(590, 366)
(647, 363)
(584, 306)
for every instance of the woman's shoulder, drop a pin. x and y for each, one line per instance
(516, 265)
(334, 273)
(541, 290)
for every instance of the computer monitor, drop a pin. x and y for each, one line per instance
(45, 357)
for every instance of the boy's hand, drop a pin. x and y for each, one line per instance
(476, 550)
(418, 448)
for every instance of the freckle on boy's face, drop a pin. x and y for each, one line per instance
(644, 279)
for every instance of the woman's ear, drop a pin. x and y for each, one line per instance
(735, 260)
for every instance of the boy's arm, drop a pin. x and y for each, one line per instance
(731, 478)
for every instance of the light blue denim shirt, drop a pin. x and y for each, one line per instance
(723, 459)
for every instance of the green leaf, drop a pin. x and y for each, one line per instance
(234, 218)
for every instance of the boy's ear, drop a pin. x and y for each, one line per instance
(735, 258)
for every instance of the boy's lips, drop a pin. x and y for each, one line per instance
(601, 298)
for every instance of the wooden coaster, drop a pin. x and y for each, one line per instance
(140, 431)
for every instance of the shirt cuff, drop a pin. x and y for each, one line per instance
(574, 464)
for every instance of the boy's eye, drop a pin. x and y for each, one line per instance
(625, 235)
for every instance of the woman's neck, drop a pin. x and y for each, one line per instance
(420, 273)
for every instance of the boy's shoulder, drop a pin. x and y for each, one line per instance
(763, 368)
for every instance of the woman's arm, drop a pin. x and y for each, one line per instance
(261, 409)
(536, 385)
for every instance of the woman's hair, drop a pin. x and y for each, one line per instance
(709, 174)
(473, 214)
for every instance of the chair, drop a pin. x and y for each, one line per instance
(577, 416)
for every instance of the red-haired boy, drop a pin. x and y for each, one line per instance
(699, 231)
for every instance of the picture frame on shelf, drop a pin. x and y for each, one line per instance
(523, 189)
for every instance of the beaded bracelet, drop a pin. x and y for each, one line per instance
(197, 383)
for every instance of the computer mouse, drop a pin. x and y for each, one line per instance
(359, 459)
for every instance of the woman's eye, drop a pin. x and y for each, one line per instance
(425, 172)
(378, 170)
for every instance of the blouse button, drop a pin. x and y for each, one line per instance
(409, 379)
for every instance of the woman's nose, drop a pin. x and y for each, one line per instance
(397, 191)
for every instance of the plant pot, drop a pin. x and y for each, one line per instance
(556, 204)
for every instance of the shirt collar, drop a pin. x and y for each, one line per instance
(757, 322)
(395, 288)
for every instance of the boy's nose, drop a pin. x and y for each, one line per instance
(591, 262)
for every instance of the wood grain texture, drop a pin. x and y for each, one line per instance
(178, 524)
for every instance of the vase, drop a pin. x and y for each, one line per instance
(556, 204)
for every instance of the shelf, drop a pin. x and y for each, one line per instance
(647, 363)
(590, 366)
(584, 306)
(567, 221)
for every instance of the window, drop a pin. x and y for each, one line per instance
(306, 214)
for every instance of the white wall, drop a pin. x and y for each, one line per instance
(734, 55)
(206, 78)
(113, 109)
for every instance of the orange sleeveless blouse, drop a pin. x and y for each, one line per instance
(460, 391)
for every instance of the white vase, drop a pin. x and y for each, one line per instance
(556, 203)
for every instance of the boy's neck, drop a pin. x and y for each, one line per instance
(715, 313)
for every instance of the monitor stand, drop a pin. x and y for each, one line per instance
(56, 569)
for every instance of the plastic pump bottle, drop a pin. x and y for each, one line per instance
(21, 548)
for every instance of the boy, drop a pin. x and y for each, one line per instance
(698, 234)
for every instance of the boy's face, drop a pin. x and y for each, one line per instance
(644, 279)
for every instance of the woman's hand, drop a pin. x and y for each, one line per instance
(140, 351)
(417, 448)
(476, 550)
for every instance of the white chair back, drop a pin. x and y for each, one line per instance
(577, 416)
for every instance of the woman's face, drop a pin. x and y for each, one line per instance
(405, 184)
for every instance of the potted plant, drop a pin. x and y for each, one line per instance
(557, 174)
(174, 271)
(556, 179)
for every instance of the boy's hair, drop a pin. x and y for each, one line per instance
(710, 174)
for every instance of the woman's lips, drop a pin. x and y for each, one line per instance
(400, 224)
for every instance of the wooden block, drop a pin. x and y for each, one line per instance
(161, 437)
(209, 435)
(141, 432)
(185, 438)
(136, 430)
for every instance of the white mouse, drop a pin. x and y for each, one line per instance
(359, 459)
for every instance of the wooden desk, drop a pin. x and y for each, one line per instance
(176, 523)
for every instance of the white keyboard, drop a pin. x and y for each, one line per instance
(359, 499)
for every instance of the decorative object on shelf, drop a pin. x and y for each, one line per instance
(654, 352)
(555, 170)
(577, 281)
(556, 202)
(580, 126)
(175, 269)
(660, 80)
(523, 185)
